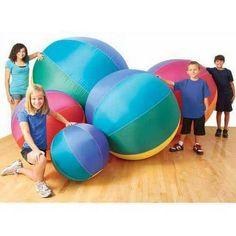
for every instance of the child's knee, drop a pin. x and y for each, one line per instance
(42, 160)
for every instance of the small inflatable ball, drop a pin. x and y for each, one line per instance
(75, 65)
(175, 70)
(137, 112)
(79, 152)
(58, 102)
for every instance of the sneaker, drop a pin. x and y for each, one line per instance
(12, 169)
(177, 147)
(225, 133)
(198, 149)
(218, 133)
(43, 189)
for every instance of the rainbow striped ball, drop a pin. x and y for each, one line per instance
(79, 152)
(75, 65)
(136, 110)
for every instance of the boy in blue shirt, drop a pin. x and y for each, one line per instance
(226, 93)
(194, 93)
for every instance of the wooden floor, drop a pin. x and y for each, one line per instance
(166, 177)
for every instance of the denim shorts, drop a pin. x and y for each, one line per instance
(25, 151)
(18, 96)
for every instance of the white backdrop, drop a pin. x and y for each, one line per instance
(145, 33)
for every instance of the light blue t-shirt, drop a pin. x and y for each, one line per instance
(37, 126)
(20, 77)
(193, 94)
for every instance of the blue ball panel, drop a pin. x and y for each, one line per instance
(100, 139)
(86, 152)
(117, 59)
(102, 88)
(89, 64)
(64, 161)
(129, 100)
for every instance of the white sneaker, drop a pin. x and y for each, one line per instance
(12, 169)
(43, 189)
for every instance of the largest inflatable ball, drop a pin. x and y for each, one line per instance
(75, 65)
(137, 112)
(175, 70)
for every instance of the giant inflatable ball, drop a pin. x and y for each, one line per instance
(79, 152)
(176, 70)
(58, 102)
(136, 111)
(75, 65)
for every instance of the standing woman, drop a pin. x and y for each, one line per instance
(17, 69)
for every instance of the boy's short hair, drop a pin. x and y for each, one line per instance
(220, 58)
(194, 63)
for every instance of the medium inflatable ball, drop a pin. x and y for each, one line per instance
(58, 102)
(75, 65)
(176, 70)
(79, 152)
(137, 112)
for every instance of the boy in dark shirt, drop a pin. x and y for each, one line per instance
(226, 93)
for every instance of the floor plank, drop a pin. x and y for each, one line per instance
(166, 177)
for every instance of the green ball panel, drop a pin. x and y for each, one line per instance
(64, 160)
(148, 131)
(49, 75)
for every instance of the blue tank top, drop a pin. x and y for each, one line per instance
(19, 77)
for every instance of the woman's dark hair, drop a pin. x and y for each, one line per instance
(15, 49)
(220, 58)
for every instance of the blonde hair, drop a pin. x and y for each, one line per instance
(28, 106)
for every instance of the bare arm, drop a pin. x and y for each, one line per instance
(206, 103)
(39, 56)
(60, 118)
(168, 82)
(233, 89)
(7, 85)
(28, 138)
